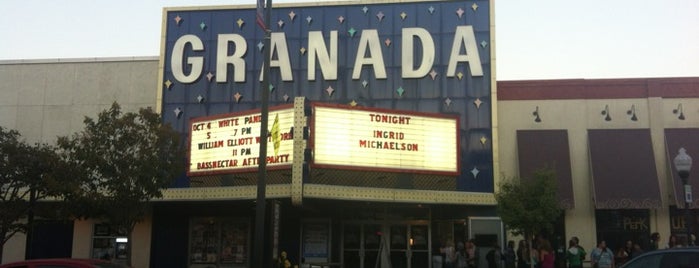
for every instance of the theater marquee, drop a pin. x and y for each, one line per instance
(388, 140)
(425, 69)
(231, 142)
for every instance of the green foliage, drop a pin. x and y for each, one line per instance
(122, 160)
(528, 206)
(27, 173)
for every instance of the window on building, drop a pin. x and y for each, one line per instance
(108, 243)
(219, 241)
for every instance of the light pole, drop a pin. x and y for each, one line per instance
(683, 164)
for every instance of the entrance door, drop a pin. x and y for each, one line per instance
(374, 245)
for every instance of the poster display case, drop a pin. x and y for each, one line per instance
(219, 242)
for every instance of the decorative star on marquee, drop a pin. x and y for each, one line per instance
(309, 19)
(168, 84)
(178, 19)
(240, 23)
(387, 42)
(447, 102)
(478, 103)
(460, 12)
(330, 90)
(380, 16)
(177, 112)
(237, 96)
(286, 97)
(271, 87)
(352, 31)
(353, 103)
(202, 25)
(475, 172)
(431, 10)
(400, 91)
(280, 23)
(365, 83)
(292, 16)
(209, 76)
(341, 19)
(260, 46)
(365, 10)
(474, 7)
(200, 99)
(483, 140)
(302, 50)
(433, 74)
(460, 75)
(484, 43)
(403, 15)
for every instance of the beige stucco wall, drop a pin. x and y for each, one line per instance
(44, 99)
(577, 116)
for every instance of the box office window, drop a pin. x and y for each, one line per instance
(222, 242)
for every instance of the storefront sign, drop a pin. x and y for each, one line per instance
(361, 138)
(231, 142)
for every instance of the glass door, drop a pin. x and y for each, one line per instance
(397, 244)
(352, 245)
(419, 246)
(372, 245)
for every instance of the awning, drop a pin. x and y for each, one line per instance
(540, 149)
(623, 169)
(687, 138)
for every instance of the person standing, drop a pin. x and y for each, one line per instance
(546, 255)
(655, 241)
(449, 255)
(472, 254)
(601, 256)
(438, 255)
(624, 253)
(461, 256)
(523, 256)
(510, 255)
(494, 257)
(575, 255)
(672, 242)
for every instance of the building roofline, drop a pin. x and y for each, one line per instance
(79, 60)
(619, 88)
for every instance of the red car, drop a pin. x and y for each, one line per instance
(62, 263)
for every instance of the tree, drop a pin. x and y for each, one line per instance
(123, 160)
(27, 174)
(529, 206)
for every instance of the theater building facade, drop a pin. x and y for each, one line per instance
(388, 137)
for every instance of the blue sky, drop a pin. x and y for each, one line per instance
(538, 39)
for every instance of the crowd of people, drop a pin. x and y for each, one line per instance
(542, 255)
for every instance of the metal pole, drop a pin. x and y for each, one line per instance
(260, 210)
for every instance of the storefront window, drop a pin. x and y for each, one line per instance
(222, 242)
(679, 224)
(108, 243)
(616, 226)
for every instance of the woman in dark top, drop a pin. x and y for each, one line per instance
(523, 255)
